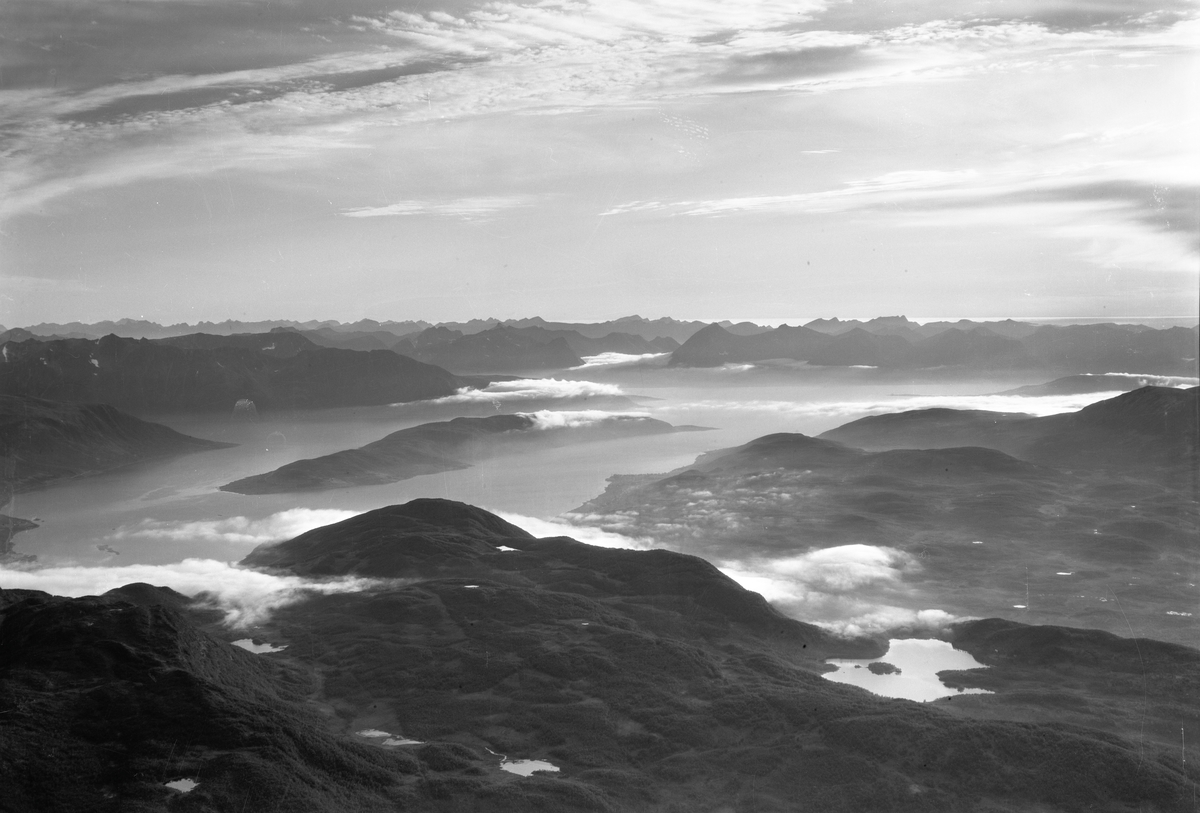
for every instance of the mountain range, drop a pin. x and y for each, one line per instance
(1100, 348)
(204, 373)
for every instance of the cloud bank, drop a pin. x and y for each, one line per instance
(237, 530)
(845, 589)
(531, 389)
(1030, 405)
(247, 597)
(547, 419)
(592, 536)
(619, 359)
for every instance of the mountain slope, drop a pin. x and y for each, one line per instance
(202, 373)
(1148, 428)
(647, 681)
(44, 441)
(1004, 514)
(436, 447)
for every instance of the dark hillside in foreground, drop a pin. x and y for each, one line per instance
(45, 441)
(106, 699)
(648, 679)
(204, 373)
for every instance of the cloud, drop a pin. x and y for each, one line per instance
(845, 589)
(1030, 405)
(237, 530)
(826, 571)
(247, 597)
(465, 208)
(892, 620)
(619, 359)
(1146, 379)
(592, 536)
(531, 389)
(505, 56)
(548, 419)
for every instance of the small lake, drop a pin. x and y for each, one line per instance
(257, 648)
(917, 660)
(527, 767)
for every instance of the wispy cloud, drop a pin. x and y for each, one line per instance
(465, 208)
(503, 56)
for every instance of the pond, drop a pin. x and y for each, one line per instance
(527, 767)
(251, 645)
(908, 670)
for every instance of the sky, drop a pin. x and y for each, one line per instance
(180, 160)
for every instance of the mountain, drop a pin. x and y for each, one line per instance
(643, 680)
(109, 698)
(896, 342)
(436, 447)
(1089, 382)
(858, 347)
(1115, 349)
(530, 347)
(204, 373)
(980, 513)
(1151, 427)
(45, 441)
(650, 329)
(498, 349)
(715, 345)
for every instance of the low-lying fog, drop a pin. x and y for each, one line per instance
(160, 514)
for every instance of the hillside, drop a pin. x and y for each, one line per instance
(642, 680)
(44, 441)
(1150, 427)
(443, 446)
(205, 373)
(978, 513)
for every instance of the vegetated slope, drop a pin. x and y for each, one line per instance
(649, 679)
(1138, 688)
(43, 441)
(436, 447)
(202, 373)
(652, 681)
(1148, 427)
(106, 699)
(1106, 496)
(888, 343)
